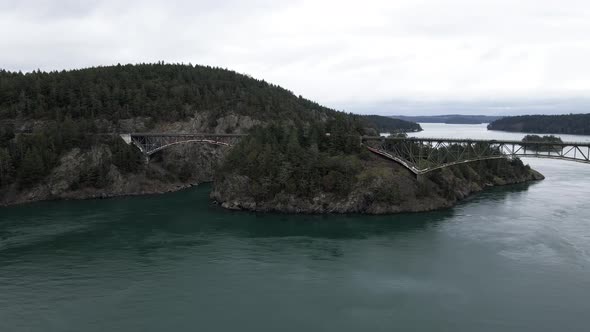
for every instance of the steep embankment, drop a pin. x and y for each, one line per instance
(381, 187)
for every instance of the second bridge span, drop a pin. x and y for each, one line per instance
(423, 155)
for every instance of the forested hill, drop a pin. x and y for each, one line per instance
(162, 93)
(575, 124)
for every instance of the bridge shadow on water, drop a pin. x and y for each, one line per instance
(188, 219)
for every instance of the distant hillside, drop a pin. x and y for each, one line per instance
(575, 124)
(386, 124)
(450, 119)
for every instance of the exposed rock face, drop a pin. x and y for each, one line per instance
(384, 188)
(175, 168)
(201, 123)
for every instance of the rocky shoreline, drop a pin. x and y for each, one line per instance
(360, 201)
(89, 194)
(177, 168)
(392, 190)
(385, 188)
(159, 177)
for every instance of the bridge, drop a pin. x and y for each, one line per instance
(424, 155)
(418, 155)
(150, 143)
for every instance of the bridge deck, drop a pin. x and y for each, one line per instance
(186, 135)
(424, 154)
(464, 140)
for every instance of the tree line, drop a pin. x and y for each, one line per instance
(164, 92)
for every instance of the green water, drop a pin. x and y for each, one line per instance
(510, 259)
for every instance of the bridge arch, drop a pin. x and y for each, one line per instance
(424, 155)
(163, 147)
(151, 143)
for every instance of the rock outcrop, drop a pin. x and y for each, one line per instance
(172, 169)
(176, 168)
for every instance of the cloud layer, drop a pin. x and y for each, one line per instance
(376, 56)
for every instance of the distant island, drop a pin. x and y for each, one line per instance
(449, 119)
(390, 125)
(574, 124)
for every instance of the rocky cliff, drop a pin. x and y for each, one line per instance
(175, 168)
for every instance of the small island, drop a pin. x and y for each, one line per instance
(541, 139)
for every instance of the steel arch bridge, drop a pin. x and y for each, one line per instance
(150, 143)
(424, 155)
(419, 155)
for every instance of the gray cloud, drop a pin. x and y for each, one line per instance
(531, 54)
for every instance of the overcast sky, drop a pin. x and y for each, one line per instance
(370, 56)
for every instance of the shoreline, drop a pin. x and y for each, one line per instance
(395, 191)
(334, 212)
(280, 212)
(104, 196)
